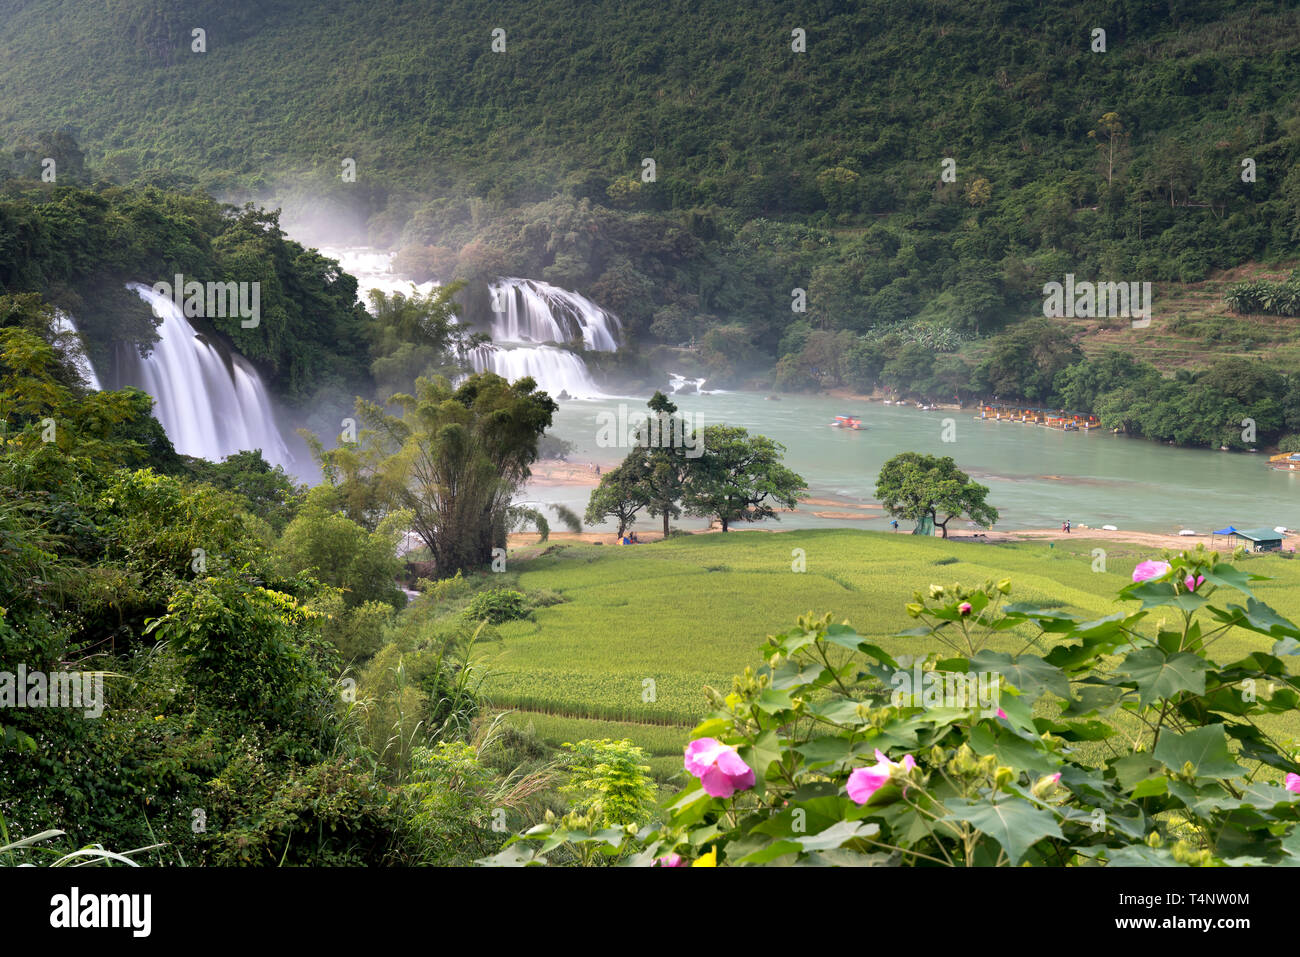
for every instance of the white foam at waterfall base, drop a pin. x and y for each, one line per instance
(208, 408)
(74, 350)
(685, 386)
(556, 371)
(532, 321)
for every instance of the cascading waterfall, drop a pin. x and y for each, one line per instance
(525, 310)
(210, 405)
(74, 350)
(529, 320)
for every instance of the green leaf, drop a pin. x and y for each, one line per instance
(1162, 676)
(759, 756)
(1152, 786)
(1139, 855)
(1206, 748)
(1093, 698)
(1012, 751)
(1030, 674)
(772, 701)
(1225, 573)
(834, 836)
(711, 728)
(1016, 825)
(1132, 769)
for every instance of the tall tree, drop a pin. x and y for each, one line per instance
(916, 486)
(662, 466)
(739, 477)
(454, 457)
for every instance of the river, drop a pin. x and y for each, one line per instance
(1038, 477)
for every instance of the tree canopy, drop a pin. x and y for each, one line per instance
(916, 486)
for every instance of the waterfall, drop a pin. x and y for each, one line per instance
(525, 310)
(529, 319)
(209, 404)
(531, 323)
(73, 349)
(556, 371)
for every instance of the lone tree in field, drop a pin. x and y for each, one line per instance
(738, 477)
(916, 486)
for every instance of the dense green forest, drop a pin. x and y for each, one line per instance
(293, 674)
(774, 170)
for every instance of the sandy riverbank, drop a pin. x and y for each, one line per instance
(848, 395)
(553, 472)
(1153, 540)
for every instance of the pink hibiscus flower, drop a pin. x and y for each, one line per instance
(864, 782)
(1149, 570)
(719, 767)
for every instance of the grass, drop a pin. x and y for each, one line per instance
(643, 630)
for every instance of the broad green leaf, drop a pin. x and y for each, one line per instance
(1016, 825)
(1029, 673)
(1206, 748)
(772, 701)
(1152, 786)
(1162, 676)
(1139, 855)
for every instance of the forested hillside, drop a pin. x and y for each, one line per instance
(774, 169)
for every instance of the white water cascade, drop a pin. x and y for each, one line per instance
(211, 405)
(532, 321)
(529, 320)
(74, 350)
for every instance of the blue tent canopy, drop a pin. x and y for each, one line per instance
(1226, 531)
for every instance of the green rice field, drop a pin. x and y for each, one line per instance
(643, 629)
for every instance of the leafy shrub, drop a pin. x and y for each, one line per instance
(610, 783)
(497, 605)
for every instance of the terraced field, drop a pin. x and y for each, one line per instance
(1191, 326)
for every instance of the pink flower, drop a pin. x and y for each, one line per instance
(1149, 570)
(1001, 713)
(1193, 585)
(964, 608)
(718, 766)
(1293, 783)
(864, 782)
(1053, 778)
(670, 860)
